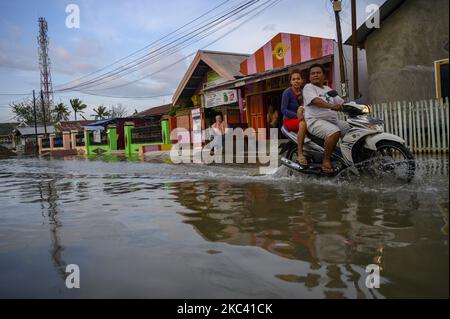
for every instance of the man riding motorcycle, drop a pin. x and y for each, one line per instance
(320, 115)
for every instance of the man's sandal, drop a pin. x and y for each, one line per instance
(328, 170)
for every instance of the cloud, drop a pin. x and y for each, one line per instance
(270, 27)
(17, 57)
(155, 78)
(79, 61)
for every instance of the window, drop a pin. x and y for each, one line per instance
(441, 73)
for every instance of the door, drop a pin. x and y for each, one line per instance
(255, 107)
(273, 100)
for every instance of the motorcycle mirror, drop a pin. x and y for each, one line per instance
(332, 93)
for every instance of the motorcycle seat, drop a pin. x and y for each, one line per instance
(292, 135)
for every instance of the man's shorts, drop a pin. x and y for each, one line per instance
(324, 129)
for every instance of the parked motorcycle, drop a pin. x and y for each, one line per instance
(365, 147)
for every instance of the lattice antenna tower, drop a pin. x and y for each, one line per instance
(44, 64)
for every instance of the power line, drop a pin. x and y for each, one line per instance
(149, 45)
(143, 58)
(129, 97)
(15, 94)
(180, 60)
(149, 56)
(268, 5)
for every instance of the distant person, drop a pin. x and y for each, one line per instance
(293, 110)
(272, 117)
(218, 133)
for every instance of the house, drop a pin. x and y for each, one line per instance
(126, 135)
(159, 121)
(157, 111)
(6, 130)
(407, 57)
(208, 68)
(25, 138)
(67, 140)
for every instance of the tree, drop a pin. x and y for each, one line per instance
(23, 112)
(101, 113)
(77, 106)
(118, 111)
(61, 112)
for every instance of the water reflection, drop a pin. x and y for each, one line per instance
(329, 228)
(49, 207)
(311, 228)
(315, 238)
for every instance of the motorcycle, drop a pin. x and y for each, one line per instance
(365, 147)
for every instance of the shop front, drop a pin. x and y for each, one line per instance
(262, 92)
(195, 110)
(267, 75)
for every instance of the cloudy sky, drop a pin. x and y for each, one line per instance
(111, 30)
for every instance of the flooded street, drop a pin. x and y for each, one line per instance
(158, 230)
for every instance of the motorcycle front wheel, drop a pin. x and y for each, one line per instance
(395, 159)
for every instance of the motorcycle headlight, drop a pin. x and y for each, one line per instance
(365, 109)
(376, 127)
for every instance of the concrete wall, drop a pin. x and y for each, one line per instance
(401, 54)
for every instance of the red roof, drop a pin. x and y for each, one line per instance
(73, 125)
(154, 111)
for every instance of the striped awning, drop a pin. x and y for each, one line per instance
(286, 49)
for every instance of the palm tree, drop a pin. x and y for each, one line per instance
(77, 106)
(61, 112)
(101, 113)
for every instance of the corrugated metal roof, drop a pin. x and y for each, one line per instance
(226, 64)
(101, 122)
(73, 125)
(95, 127)
(228, 61)
(30, 130)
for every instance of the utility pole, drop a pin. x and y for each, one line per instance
(337, 7)
(355, 53)
(43, 112)
(35, 124)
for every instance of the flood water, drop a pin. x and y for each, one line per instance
(158, 230)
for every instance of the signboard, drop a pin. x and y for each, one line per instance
(220, 98)
(196, 127)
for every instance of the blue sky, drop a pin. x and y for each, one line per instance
(112, 29)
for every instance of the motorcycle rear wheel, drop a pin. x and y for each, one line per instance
(292, 155)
